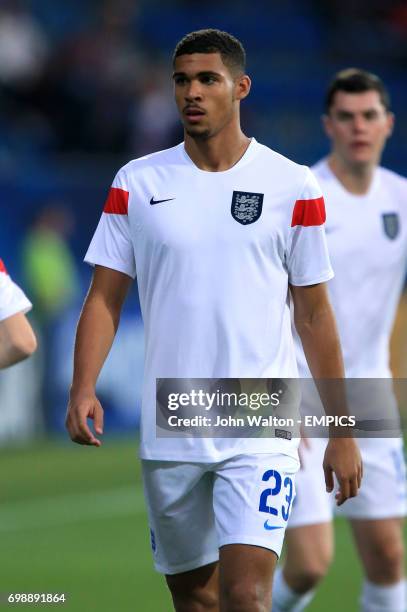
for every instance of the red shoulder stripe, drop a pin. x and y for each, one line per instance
(2, 267)
(117, 202)
(309, 212)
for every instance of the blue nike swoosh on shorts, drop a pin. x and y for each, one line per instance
(271, 527)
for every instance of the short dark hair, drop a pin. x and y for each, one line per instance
(354, 80)
(214, 41)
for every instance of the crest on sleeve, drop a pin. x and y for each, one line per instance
(246, 207)
(391, 225)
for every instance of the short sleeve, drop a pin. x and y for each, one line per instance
(307, 253)
(111, 245)
(12, 299)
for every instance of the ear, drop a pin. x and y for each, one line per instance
(242, 87)
(327, 125)
(390, 123)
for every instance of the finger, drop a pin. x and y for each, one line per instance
(98, 419)
(81, 438)
(360, 475)
(344, 490)
(329, 479)
(353, 487)
(87, 436)
(78, 439)
(91, 442)
(77, 426)
(69, 428)
(73, 429)
(83, 442)
(73, 425)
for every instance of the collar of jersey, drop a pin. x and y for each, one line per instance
(355, 196)
(247, 156)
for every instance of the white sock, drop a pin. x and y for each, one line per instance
(285, 599)
(376, 598)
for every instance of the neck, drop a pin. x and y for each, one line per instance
(356, 178)
(219, 152)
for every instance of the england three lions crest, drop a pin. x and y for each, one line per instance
(391, 225)
(246, 207)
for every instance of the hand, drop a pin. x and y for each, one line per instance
(342, 458)
(80, 408)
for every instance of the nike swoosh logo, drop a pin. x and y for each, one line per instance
(152, 201)
(271, 527)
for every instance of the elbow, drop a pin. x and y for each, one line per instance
(24, 345)
(30, 345)
(309, 322)
(303, 327)
(17, 340)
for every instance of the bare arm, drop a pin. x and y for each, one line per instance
(17, 340)
(97, 327)
(315, 324)
(398, 361)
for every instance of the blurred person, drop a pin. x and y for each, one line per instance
(221, 230)
(52, 280)
(48, 262)
(17, 339)
(155, 116)
(23, 46)
(367, 238)
(86, 92)
(24, 52)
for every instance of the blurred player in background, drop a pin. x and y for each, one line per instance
(17, 339)
(367, 238)
(217, 227)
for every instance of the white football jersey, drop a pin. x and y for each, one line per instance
(12, 298)
(214, 253)
(367, 242)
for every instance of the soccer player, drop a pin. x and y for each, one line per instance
(219, 229)
(17, 339)
(367, 238)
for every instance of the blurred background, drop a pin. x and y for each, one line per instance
(84, 87)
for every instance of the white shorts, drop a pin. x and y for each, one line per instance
(195, 508)
(382, 494)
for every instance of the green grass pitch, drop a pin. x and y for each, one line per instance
(72, 521)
